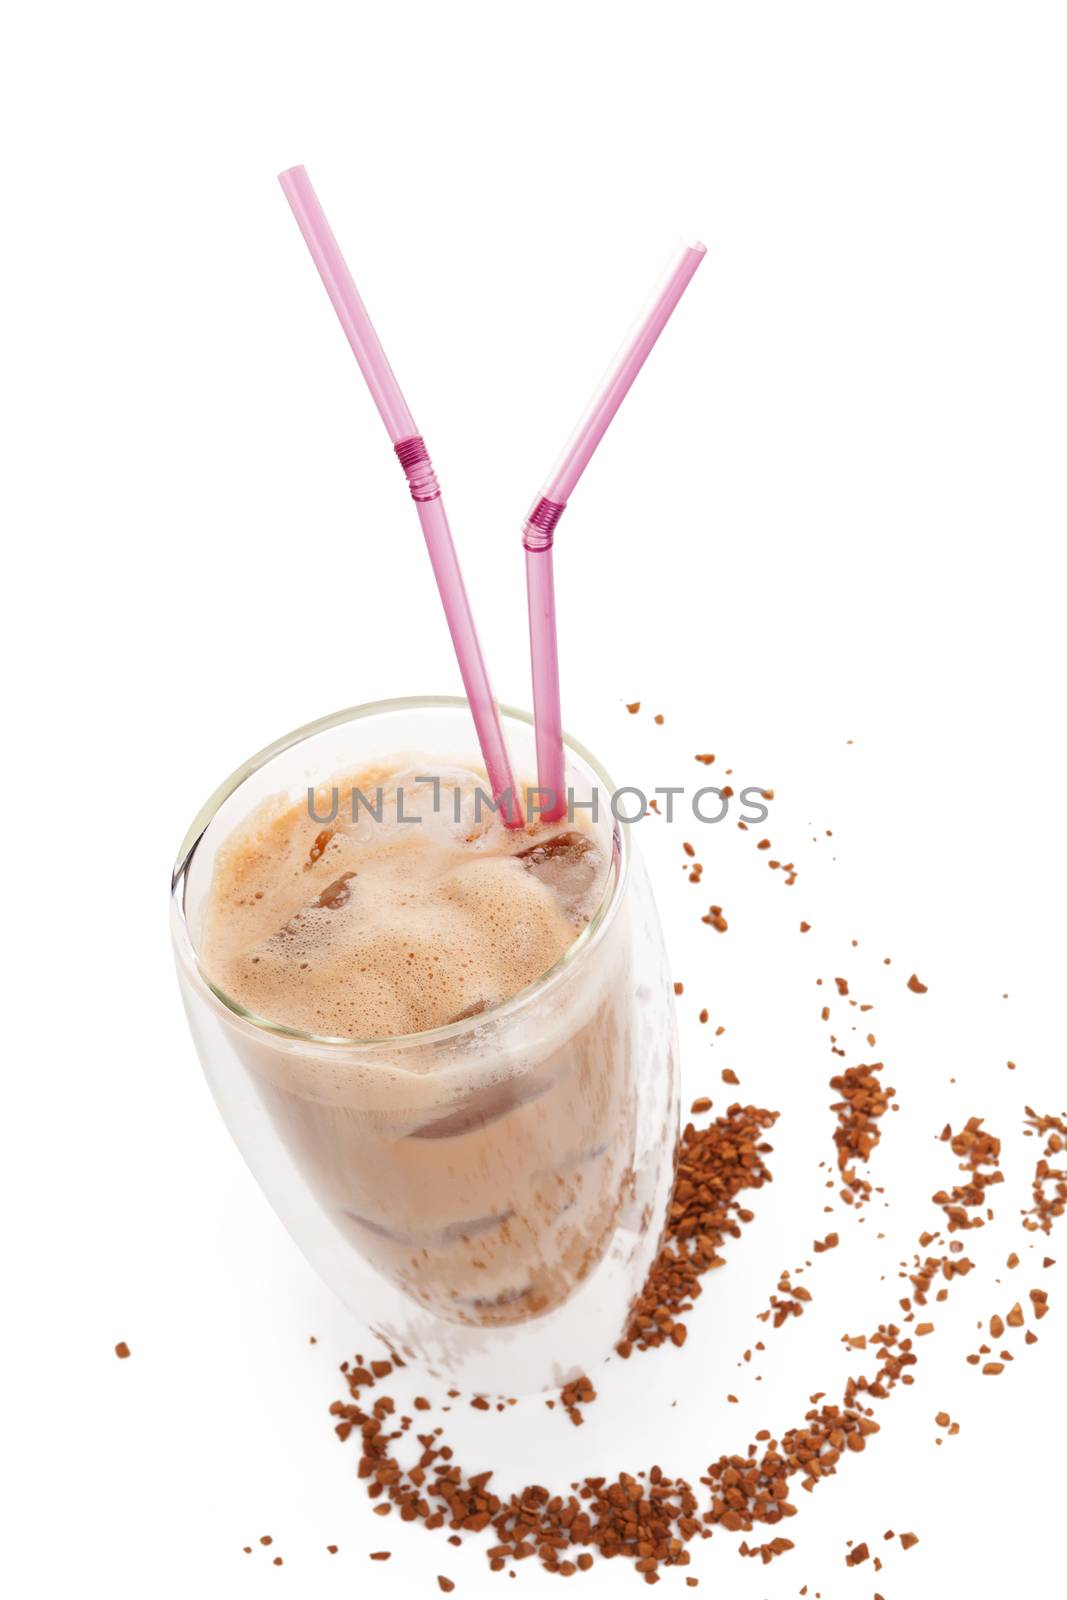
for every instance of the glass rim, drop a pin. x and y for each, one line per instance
(589, 936)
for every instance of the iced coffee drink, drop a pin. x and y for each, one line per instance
(455, 1035)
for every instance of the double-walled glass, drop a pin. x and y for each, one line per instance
(486, 1197)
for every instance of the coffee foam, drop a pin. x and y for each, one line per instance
(374, 929)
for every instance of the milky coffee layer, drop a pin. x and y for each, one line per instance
(367, 928)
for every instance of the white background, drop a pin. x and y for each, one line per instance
(832, 510)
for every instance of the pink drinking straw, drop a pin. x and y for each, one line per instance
(539, 527)
(422, 481)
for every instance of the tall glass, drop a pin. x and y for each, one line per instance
(486, 1197)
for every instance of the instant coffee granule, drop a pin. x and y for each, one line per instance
(648, 1522)
(716, 1164)
(754, 1487)
(863, 1102)
(1049, 1186)
(979, 1149)
(578, 1393)
(791, 1306)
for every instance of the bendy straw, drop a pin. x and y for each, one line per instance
(540, 525)
(415, 459)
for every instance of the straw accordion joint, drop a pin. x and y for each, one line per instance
(540, 526)
(418, 468)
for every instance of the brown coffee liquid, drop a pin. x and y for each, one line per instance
(485, 1181)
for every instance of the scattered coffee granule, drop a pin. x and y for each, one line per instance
(703, 1016)
(578, 1393)
(908, 1539)
(829, 1243)
(122, 1350)
(699, 1106)
(445, 1584)
(749, 1489)
(715, 1165)
(1039, 1301)
(658, 719)
(278, 1561)
(979, 1149)
(649, 1523)
(332, 1548)
(679, 988)
(775, 1547)
(864, 1100)
(805, 927)
(715, 919)
(706, 760)
(754, 1487)
(730, 1076)
(634, 707)
(792, 1305)
(380, 1555)
(857, 1555)
(915, 986)
(1049, 1186)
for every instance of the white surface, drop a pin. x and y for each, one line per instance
(830, 510)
